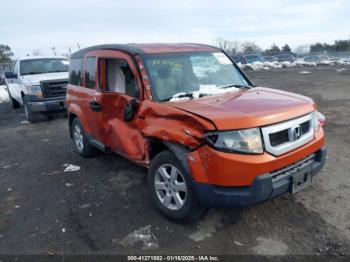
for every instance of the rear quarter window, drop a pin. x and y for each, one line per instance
(75, 71)
(90, 72)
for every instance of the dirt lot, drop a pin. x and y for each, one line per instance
(90, 211)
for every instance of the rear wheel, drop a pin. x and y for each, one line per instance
(81, 145)
(171, 188)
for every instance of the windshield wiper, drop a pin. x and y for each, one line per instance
(235, 85)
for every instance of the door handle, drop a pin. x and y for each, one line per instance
(96, 107)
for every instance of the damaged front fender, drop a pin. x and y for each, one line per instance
(171, 124)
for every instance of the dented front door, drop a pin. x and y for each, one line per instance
(120, 136)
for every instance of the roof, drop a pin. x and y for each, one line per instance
(135, 49)
(40, 57)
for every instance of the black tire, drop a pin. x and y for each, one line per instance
(30, 116)
(14, 103)
(85, 149)
(191, 209)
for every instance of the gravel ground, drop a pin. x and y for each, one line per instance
(96, 208)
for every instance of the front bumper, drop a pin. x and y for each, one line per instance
(264, 187)
(36, 104)
(207, 165)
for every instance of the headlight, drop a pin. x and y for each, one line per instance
(241, 141)
(35, 90)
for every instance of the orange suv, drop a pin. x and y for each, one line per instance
(208, 136)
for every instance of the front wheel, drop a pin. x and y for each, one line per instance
(171, 189)
(14, 103)
(30, 116)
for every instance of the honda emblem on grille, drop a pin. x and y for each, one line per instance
(296, 132)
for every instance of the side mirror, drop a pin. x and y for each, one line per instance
(130, 110)
(10, 75)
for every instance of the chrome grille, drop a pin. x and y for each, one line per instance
(305, 127)
(279, 138)
(286, 136)
(54, 88)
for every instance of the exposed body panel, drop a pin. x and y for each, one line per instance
(171, 124)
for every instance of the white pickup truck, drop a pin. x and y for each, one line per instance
(39, 84)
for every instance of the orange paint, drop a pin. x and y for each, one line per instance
(225, 169)
(186, 122)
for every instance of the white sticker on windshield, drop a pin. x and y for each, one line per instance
(65, 62)
(222, 58)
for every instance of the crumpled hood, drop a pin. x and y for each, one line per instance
(248, 108)
(35, 79)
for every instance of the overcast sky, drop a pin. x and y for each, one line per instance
(26, 25)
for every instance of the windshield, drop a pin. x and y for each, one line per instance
(192, 75)
(42, 66)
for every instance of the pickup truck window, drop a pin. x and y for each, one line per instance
(90, 72)
(15, 67)
(75, 69)
(43, 66)
(201, 73)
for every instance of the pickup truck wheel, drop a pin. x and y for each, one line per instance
(14, 103)
(30, 116)
(81, 145)
(171, 188)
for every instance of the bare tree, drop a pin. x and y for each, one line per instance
(228, 46)
(250, 47)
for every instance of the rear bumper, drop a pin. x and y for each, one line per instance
(264, 187)
(45, 104)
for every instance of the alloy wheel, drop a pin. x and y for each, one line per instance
(78, 138)
(170, 187)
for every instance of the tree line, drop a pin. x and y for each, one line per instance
(338, 46)
(234, 47)
(249, 47)
(5, 54)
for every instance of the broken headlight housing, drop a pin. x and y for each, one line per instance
(246, 141)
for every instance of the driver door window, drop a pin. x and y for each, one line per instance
(116, 76)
